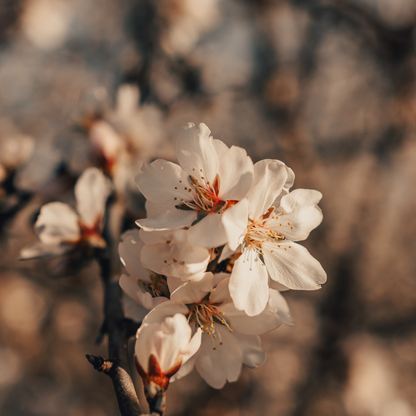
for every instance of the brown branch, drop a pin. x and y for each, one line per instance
(116, 367)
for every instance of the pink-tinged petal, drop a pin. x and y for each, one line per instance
(277, 286)
(301, 214)
(293, 266)
(239, 321)
(196, 153)
(184, 370)
(39, 250)
(173, 283)
(105, 139)
(192, 347)
(153, 208)
(226, 252)
(249, 287)
(224, 363)
(193, 292)
(129, 250)
(279, 304)
(235, 221)
(164, 310)
(178, 260)
(162, 181)
(91, 192)
(177, 335)
(133, 310)
(253, 353)
(155, 237)
(57, 223)
(236, 172)
(221, 293)
(146, 300)
(165, 341)
(208, 233)
(220, 147)
(168, 220)
(269, 178)
(129, 285)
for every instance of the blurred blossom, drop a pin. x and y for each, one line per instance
(71, 320)
(184, 22)
(372, 388)
(61, 229)
(15, 149)
(10, 367)
(119, 140)
(23, 306)
(46, 23)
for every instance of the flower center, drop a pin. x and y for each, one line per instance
(206, 316)
(203, 196)
(157, 287)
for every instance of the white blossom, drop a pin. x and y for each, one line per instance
(146, 289)
(61, 229)
(275, 220)
(230, 337)
(161, 349)
(210, 180)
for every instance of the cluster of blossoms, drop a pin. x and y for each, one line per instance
(217, 247)
(205, 271)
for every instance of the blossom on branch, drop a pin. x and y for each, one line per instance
(61, 229)
(211, 179)
(275, 220)
(160, 351)
(230, 337)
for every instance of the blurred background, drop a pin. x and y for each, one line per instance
(327, 86)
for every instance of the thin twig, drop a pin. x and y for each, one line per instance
(117, 364)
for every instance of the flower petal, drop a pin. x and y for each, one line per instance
(165, 309)
(57, 223)
(196, 153)
(209, 232)
(221, 293)
(234, 221)
(253, 353)
(168, 220)
(179, 260)
(251, 325)
(39, 250)
(165, 341)
(162, 181)
(133, 310)
(249, 287)
(193, 292)
(220, 147)
(222, 364)
(269, 178)
(236, 171)
(129, 250)
(293, 266)
(91, 192)
(301, 214)
(279, 304)
(192, 347)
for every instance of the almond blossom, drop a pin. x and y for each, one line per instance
(61, 229)
(230, 337)
(276, 220)
(160, 351)
(211, 178)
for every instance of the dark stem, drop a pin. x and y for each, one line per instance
(115, 322)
